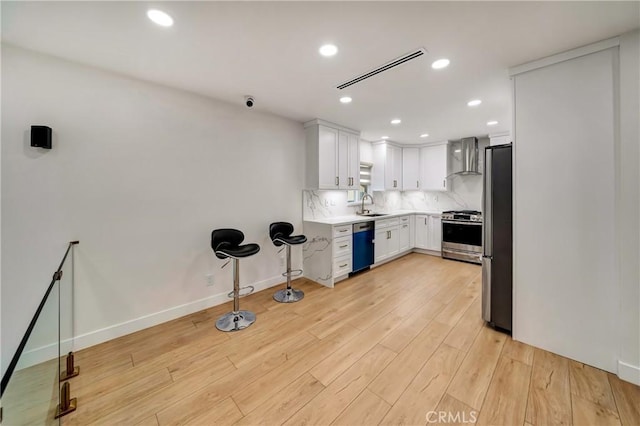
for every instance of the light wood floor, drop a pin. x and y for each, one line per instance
(388, 346)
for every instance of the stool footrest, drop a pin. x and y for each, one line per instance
(293, 273)
(251, 290)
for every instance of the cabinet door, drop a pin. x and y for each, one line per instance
(397, 168)
(380, 247)
(435, 232)
(433, 162)
(404, 237)
(421, 231)
(353, 161)
(410, 169)
(327, 158)
(389, 183)
(343, 160)
(393, 241)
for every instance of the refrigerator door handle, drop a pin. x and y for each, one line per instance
(487, 211)
(486, 288)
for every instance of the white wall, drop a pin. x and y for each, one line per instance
(628, 207)
(140, 174)
(575, 271)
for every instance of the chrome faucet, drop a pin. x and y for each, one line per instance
(363, 211)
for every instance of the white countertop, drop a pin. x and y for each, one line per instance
(350, 219)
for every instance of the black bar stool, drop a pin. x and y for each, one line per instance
(280, 233)
(226, 245)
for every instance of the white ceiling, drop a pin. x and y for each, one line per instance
(226, 50)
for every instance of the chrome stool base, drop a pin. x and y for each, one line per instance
(235, 321)
(288, 295)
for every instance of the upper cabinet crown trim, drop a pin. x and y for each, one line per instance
(565, 56)
(320, 122)
(403, 145)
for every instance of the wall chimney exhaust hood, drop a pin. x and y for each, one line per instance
(469, 153)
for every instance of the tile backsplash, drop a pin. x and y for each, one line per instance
(465, 192)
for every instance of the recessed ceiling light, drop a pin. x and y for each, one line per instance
(424, 135)
(159, 17)
(396, 121)
(328, 50)
(474, 102)
(492, 123)
(384, 137)
(345, 99)
(440, 63)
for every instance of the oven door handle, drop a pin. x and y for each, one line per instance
(457, 222)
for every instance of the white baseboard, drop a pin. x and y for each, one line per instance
(50, 351)
(629, 373)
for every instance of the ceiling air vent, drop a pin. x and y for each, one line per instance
(385, 67)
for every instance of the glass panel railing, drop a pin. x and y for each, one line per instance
(32, 384)
(31, 396)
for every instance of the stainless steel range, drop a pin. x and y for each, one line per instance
(462, 235)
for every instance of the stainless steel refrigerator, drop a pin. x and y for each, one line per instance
(497, 241)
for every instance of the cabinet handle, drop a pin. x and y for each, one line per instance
(417, 184)
(404, 226)
(351, 181)
(395, 183)
(343, 230)
(388, 235)
(344, 246)
(425, 220)
(342, 266)
(444, 183)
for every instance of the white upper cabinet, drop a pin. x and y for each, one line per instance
(327, 155)
(433, 167)
(387, 167)
(332, 156)
(353, 165)
(410, 169)
(499, 138)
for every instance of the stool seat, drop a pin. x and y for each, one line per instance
(291, 240)
(225, 243)
(280, 233)
(237, 251)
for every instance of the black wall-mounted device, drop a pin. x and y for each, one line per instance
(41, 137)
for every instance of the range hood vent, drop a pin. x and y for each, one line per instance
(469, 150)
(385, 67)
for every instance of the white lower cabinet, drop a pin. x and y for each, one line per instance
(342, 265)
(380, 246)
(422, 231)
(428, 232)
(404, 234)
(387, 239)
(435, 232)
(342, 246)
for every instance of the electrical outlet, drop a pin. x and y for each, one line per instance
(333, 202)
(281, 260)
(210, 280)
(326, 203)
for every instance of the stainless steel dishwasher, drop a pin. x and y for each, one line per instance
(363, 234)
